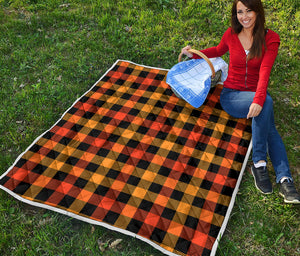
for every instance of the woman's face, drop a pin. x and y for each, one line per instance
(245, 16)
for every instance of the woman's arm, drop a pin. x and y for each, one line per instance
(265, 71)
(270, 55)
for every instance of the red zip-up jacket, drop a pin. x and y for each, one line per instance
(246, 75)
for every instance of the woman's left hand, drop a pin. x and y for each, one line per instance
(254, 110)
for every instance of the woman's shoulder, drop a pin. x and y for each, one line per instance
(272, 37)
(229, 30)
(228, 33)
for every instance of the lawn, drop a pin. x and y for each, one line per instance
(52, 51)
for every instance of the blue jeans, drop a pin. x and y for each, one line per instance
(265, 137)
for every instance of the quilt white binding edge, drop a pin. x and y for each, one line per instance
(108, 226)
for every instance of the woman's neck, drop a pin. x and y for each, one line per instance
(247, 32)
(246, 38)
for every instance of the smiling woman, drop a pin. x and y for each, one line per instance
(246, 16)
(248, 21)
(253, 50)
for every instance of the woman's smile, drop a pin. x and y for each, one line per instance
(245, 16)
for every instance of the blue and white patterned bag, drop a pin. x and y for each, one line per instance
(191, 80)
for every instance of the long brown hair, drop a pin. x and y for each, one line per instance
(259, 27)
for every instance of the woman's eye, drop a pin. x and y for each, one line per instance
(249, 10)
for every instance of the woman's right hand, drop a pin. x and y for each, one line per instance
(185, 50)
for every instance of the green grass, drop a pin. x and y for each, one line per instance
(53, 51)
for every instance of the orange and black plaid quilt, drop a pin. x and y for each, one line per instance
(131, 156)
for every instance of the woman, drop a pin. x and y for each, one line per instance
(253, 50)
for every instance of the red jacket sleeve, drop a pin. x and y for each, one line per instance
(272, 43)
(216, 51)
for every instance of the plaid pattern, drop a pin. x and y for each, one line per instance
(132, 155)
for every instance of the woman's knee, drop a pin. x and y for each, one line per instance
(236, 103)
(268, 105)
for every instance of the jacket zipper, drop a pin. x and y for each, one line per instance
(246, 73)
